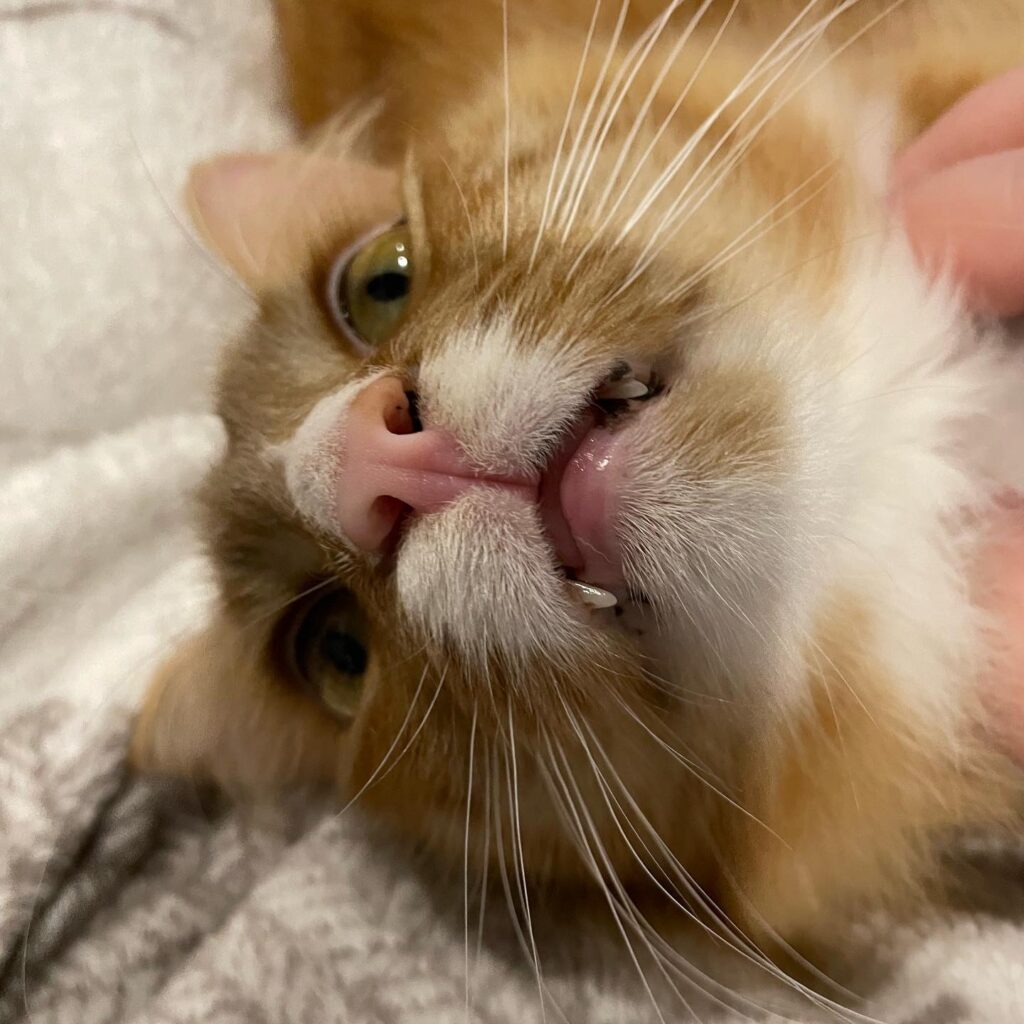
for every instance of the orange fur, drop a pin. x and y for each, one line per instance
(849, 786)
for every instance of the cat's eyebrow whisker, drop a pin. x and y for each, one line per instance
(310, 155)
(186, 230)
(570, 110)
(470, 223)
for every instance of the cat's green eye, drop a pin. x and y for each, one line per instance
(326, 649)
(368, 287)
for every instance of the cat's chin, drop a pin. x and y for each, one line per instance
(481, 575)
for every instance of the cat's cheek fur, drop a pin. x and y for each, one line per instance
(887, 736)
(217, 711)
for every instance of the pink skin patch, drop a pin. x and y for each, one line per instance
(578, 502)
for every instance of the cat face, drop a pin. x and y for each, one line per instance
(537, 455)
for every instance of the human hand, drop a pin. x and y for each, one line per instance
(959, 190)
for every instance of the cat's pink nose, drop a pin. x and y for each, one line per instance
(390, 465)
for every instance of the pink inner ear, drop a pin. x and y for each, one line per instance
(228, 198)
(261, 213)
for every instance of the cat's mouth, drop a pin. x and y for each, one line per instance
(581, 488)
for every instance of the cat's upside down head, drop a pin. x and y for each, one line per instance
(604, 484)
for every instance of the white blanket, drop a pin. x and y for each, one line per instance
(111, 319)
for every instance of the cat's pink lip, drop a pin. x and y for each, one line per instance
(579, 502)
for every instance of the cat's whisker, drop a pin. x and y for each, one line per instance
(679, 212)
(839, 1010)
(732, 935)
(700, 980)
(764, 64)
(641, 117)
(570, 110)
(670, 223)
(517, 854)
(746, 947)
(278, 609)
(700, 771)
(725, 309)
(379, 772)
(508, 126)
(630, 66)
(570, 812)
(580, 129)
(677, 218)
(465, 853)
(666, 122)
(485, 846)
(525, 944)
(741, 243)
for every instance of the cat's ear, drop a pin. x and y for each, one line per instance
(261, 213)
(215, 711)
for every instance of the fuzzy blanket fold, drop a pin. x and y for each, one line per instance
(124, 900)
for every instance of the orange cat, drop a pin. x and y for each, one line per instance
(603, 480)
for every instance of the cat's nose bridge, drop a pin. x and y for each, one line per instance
(389, 465)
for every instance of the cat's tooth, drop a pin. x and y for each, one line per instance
(592, 596)
(624, 389)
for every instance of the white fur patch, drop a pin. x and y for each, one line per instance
(506, 402)
(479, 576)
(310, 457)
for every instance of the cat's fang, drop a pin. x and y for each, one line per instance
(621, 390)
(593, 597)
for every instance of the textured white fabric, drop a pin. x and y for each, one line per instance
(110, 319)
